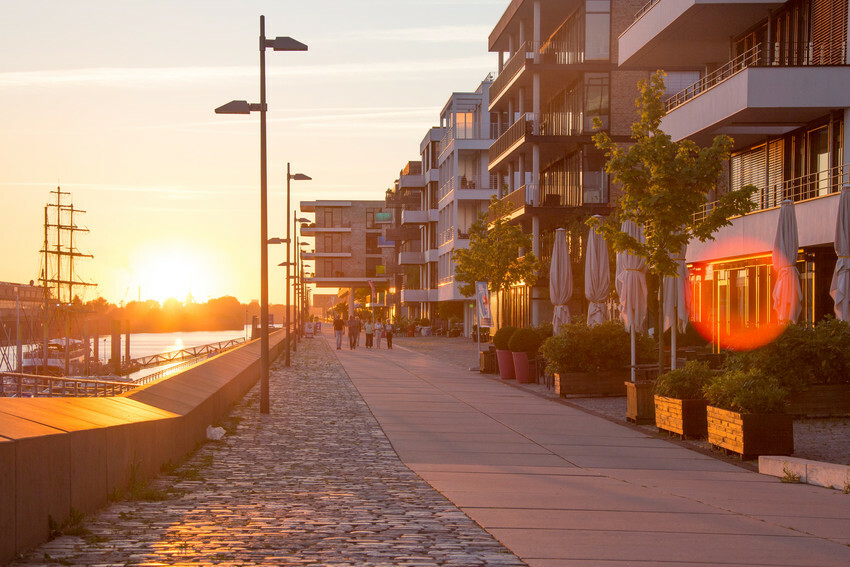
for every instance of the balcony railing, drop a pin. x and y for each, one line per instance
(522, 127)
(525, 195)
(644, 9)
(446, 235)
(764, 55)
(798, 189)
(510, 69)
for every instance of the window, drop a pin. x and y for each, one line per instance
(464, 125)
(597, 31)
(372, 244)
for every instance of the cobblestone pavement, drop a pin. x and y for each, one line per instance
(826, 439)
(314, 483)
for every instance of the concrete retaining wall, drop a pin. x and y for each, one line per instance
(62, 453)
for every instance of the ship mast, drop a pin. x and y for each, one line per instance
(57, 276)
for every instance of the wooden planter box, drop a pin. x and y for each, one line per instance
(607, 383)
(751, 435)
(640, 402)
(684, 417)
(829, 400)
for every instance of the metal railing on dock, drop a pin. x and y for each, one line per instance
(14, 385)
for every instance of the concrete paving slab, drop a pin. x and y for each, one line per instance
(428, 445)
(453, 458)
(627, 521)
(647, 463)
(589, 449)
(672, 548)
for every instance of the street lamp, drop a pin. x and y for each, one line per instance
(243, 107)
(289, 177)
(300, 332)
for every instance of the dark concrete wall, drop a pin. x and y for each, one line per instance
(62, 453)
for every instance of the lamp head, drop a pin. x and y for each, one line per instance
(302, 219)
(237, 107)
(300, 177)
(285, 43)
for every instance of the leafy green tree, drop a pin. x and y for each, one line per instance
(665, 185)
(494, 255)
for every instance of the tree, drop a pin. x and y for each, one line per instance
(665, 185)
(494, 255)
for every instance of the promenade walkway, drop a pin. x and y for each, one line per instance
(561, 487)
(318, 483)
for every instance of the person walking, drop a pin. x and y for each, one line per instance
(339, 327)
(388, 331)
(353, 331)
(367, 328)
(379, 331)
(359, 328)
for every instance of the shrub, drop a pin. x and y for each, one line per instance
(544, 331)
(579, 348)
(746, 391)
(524, 340)
(802, 356)
(685, 383)
(502, 336)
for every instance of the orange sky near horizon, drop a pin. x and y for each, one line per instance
(114, 103)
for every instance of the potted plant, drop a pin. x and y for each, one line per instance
(746, 414)
(679, 402)
(593, 361)
(504, 358)
(523, 345)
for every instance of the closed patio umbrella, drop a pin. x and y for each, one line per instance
(631, 286)
(560, 280)
(786, 292)
(839, 289)
(677, 302)
(597, 278)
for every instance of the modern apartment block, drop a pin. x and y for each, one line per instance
(557, 73)
(774, 76)
(349, 250)
(453, 186)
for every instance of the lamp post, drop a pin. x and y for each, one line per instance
(299, 261)
(289, 177)
(243, 107)
(302, 288)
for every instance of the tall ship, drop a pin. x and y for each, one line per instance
(58, 353)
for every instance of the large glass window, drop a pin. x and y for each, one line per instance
(597, 102)
(597, 33)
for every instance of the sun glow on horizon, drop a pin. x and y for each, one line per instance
(178, 273)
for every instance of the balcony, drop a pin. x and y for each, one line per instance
(766, 91)
(314, 255)
(678, 33)
(418, 217)
(513, 137)
(515, 201)
(510, 71)
(412, 181)
(473, 187)
(415, 295)
(799, 189)
(411, 258)
(403, 234)
(312, 229)
(346, 279)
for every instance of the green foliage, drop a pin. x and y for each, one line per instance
(524, 340)
(802, 356)
(503, 337)
(607, 346)
(493, 254)
(746, 391)
(685, 383)
(544, 331)
(664, 183)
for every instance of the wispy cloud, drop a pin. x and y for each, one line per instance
(168, 191)
(435, 34)
(169, 76)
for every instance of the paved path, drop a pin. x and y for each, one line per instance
(561, 487)
(314, 483)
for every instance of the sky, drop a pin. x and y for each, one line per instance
(113, 101)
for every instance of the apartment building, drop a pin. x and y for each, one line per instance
(445, 192)
(349, 251)
(557, 73)
(774, 76)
